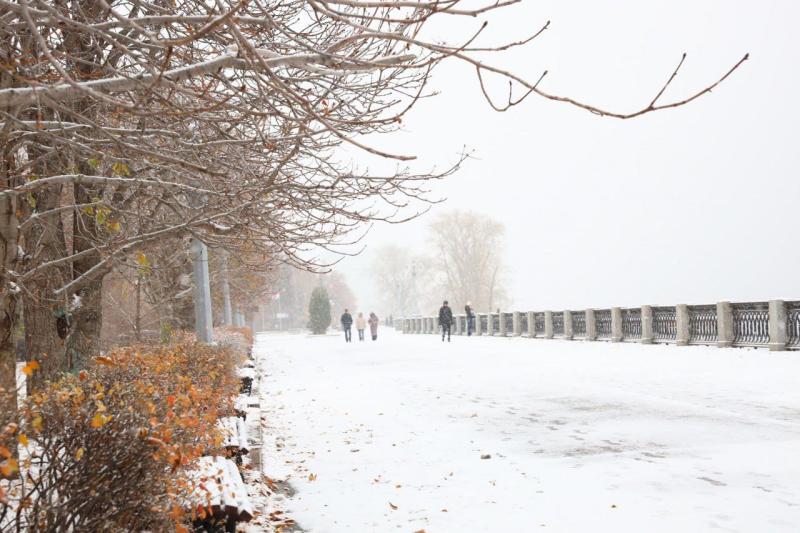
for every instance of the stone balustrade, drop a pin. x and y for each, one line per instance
(774, 324)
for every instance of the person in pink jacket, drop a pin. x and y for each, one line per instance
(373, 325)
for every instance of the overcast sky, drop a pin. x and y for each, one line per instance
(692, 205)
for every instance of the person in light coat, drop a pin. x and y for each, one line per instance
(361, 325)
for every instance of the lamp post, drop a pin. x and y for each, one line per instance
(203, 324)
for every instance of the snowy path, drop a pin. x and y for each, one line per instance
(582, 436)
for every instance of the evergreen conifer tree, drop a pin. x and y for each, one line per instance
(319, 311)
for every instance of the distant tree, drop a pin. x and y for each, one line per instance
(319, 311)
(469, 258)
(401, 278)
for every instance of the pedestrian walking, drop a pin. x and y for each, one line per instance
(373, 325)
(470, 318)
(361, 325)
(445, 320)
(347, 323)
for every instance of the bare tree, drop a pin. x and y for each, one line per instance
(469, 248)
(402, 280)
(128, 126)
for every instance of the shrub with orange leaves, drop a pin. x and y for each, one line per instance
(108, 449)
(244, 331)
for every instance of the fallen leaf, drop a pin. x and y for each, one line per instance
(312, 477)
(486, 456)
(393, 506)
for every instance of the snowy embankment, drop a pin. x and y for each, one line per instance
(393, 435)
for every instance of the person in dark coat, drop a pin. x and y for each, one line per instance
(347, 323)
(470, 319)
(445, 320)
(373, 325)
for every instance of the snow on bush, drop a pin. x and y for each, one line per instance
(109, 449)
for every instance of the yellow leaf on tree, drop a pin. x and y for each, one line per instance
(30, 367)
(23, 439)
(79, 454)
(4, 452)
(37, 424)
(104, 360)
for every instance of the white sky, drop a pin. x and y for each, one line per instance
(691, 205)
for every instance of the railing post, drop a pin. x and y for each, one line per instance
(531, 324)
(616, 324)
(456, 325)
(478, 325)
(724, 325)
(431, 325)
(548, 324)
(503, 326)
(591, 326)
(777, 325)
(418, 325)
(647, 324)
(568, 334)
(515, 324)
(682, 324)
(489, 324)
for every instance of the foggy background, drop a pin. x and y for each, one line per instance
(692, 205)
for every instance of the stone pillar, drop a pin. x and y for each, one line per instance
(489, 324)
(548, 324)
(418, 325)
(591, 326)
(777, 325)
(531, 324)
(516, 329)
(568, 333)
(647, 325)
(478, 326)
(724, 325)
(682, 324)
(503, 325)
(616, 324)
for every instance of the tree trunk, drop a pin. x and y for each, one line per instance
(84, 340)
(46, 317)
(9, 233)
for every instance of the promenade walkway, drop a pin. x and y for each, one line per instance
(516, 435)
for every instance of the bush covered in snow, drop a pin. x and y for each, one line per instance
(108, 449)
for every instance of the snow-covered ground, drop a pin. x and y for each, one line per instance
(389, 435)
